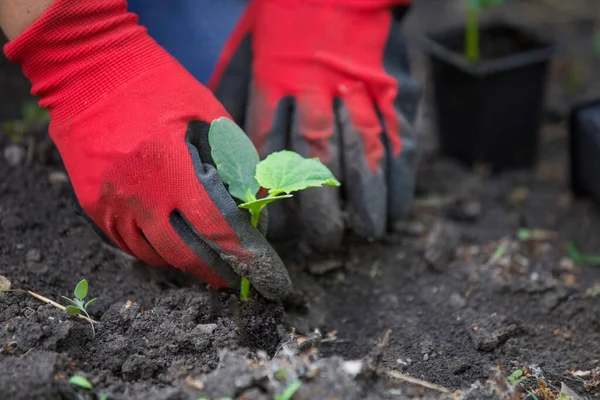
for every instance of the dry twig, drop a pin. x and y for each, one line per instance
(415, 381)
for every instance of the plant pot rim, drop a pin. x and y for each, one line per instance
(431, 44)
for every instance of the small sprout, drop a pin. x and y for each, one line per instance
(81, 381)
(220, 398)
(240, 168)
(578, 258)
(525, 234)
(289, 392)
(516, 377)
(531, 393)
(78, 305)
(472, 51)
(280, 374)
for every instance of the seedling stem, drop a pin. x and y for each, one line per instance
(472, 34)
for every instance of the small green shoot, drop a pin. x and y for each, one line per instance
(240, 168)
(32, 116)
(78, 305)
(578, 258)
(280, 374)
(244, 289)
(525, 234)
(290, 391)
(81, 381)
(516, 377)
(220, 398)
(473, 7)
(531, 393)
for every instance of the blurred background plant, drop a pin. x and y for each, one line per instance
(32, 117)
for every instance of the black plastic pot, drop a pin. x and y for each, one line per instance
(489, 113)
(584, 149)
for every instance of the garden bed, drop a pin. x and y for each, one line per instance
(453, 301)
(446, 310)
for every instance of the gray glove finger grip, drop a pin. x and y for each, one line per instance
(401, 169)
(366, 190)
(320, 209)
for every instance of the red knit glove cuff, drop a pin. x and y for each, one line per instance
(80, 50)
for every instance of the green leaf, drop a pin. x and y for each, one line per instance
(72, 310)
(482, 3)
(69, 300)
(579, 258)
(256, 206)
(286, 172)
(289, 392)
(517, 373)
(103, 397)
(33, 114)
(575, 255)
(89, 302)
(81, 289)
(235, 156)
(80, 381)
(597, 42)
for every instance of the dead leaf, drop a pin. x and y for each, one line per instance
(580, 374)
(566, 393)
(4, 284)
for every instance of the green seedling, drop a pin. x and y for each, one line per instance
(516, 377)
(581, 259)
(280, 173)
(531, 393)
(290, 391)
(473, 8)
(78, 304)
(81, 381)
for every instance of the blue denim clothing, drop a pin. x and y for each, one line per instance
(192, 31)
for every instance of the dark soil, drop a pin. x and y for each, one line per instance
(435, 300)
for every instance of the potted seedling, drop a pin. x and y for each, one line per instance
(584, 143)
(280, 174)
(488, 84)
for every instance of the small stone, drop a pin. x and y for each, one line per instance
(440, 246)
(324, 266)
(14, 154)
(57, 178)
(457, 301)
(352, 368)
(492, 332)
(207, 328)
(33, 255)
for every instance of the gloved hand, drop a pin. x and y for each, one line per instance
(330, 79)
(131, 125)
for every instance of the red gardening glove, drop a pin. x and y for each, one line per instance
(131, 125)
(330, 79)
